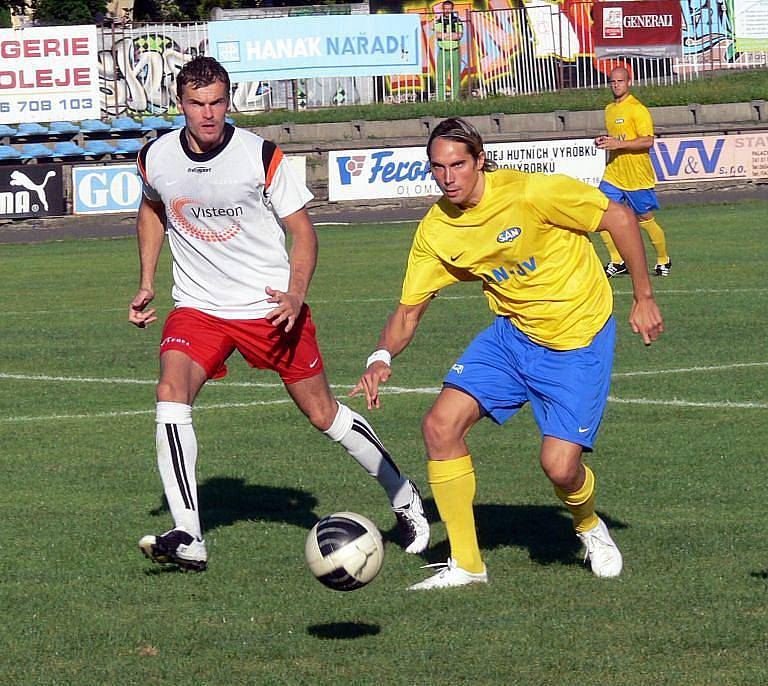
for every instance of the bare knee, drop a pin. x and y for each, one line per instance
(439, 432)
(565, 475)
(321, 415)
(169, 392)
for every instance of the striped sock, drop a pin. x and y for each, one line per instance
(361, 442)
(176, 460)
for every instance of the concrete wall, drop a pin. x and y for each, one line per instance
(511, 126)
(315, 140)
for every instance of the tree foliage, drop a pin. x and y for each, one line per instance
(68, 12)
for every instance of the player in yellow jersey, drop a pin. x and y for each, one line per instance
(524, 237)
(629, 177)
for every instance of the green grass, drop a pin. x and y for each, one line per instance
(721, 88)
(683, 487)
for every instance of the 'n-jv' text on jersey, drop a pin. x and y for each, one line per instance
(630, 170)
(526, 240)
(222, 209)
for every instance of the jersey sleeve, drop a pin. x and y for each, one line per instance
(141, 163)
(563, 201)
(643, 121)
(425, 274)
(284, 191)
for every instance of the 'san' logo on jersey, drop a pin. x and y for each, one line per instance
(185, 214)
(508, 235)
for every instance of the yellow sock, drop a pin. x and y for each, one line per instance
(659, 240)
(615, 256)
(581, 503)
(453, 485)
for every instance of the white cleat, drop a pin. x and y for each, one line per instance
(412, 523)
(603, 554)
(450, 576)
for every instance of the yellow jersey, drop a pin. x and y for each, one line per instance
(630, 170)
(526, 240)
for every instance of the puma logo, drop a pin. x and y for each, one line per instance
(20, 179)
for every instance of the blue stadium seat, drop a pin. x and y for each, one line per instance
(31, 129)
(67, 149)
(179, 121)
(64, 127)
(6, 130)
(36, 151)
(126, 124)
(128, 146)
(8, 152)
(94, 125)
(156, 123)
(98, 148)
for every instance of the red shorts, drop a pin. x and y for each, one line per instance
(210, 340)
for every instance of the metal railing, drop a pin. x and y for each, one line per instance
(538, 47)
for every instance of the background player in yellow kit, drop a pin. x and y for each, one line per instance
(629, 177)
(524, 236)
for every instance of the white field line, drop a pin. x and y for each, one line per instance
(131, 413)
(675, 402)
(387, 389)
(393, 299)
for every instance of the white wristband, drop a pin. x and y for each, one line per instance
(380, 356)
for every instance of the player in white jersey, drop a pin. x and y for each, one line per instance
(223, 195)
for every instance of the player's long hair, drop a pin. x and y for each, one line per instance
(456, 129)
(199, 72)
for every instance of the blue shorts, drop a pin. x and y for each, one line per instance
(502, 369)
(641, 202)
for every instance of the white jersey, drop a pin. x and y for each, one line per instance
(222, 210)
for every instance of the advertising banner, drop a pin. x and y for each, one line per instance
(751, 24)
(31, 191)
(404, 172)
(48, 74)
(311, 47)
(637, 28)
(105, 189)
(711, 158)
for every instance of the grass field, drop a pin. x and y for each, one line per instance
(680, 465)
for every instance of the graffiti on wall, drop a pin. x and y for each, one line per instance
(138, 69)
(509, 37)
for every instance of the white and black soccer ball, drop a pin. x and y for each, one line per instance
(344, 551)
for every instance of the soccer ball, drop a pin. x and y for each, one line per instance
(344, 551)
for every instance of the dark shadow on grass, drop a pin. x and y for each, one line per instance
(343, 630)
(546, 531)
(759, 575)
(224, 501)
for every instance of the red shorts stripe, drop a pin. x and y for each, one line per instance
(210, 340)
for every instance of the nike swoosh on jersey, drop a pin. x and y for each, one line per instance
(583, 431)
(453, 259)
(314, 362)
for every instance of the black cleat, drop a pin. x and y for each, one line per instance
(176, 547)
(615, 269)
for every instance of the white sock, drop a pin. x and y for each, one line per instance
(176, 459)
(362, 443)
